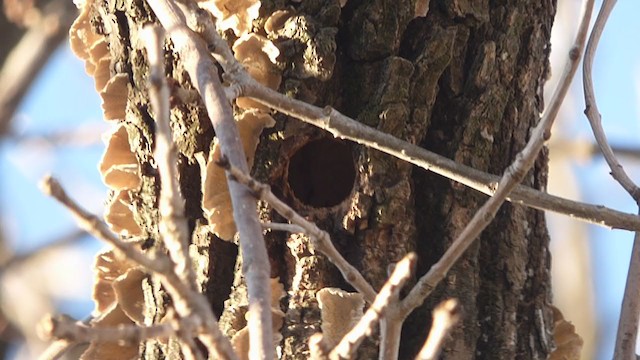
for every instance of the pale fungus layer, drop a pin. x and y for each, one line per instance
(119, 215)
(340, 311)
(119, 166)
(216, 201)
(117, 290)
(240, 340)
(237, 15)
(118, 298)
(258, 55)
(110, 350)
(94, 50)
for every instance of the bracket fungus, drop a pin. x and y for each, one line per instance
(118, 281)
(119, 215)
(119, 166)
(240, 340)
(237, 15)
(114, 97)
(259, 56)
(340, 311)
(100, 66)
(118, 298)
(82, 37)
(568, 343)
(107, 268)
(276, 22)
(110, 350)
(94, 50)
(216, 202)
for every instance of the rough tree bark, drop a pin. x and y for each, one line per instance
(465, 82)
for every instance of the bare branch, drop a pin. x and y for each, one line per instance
(94, 226)
(59, 347)
(79, 136)
(189, 348)
(56, 350)
(64, 328)
(320, 240)
(513, 175)
(387, 295)
(29, 56)
(445, 316)
(283, 227)
(69, 239)
(204, 75)
(390, 333)
(173, 224)
(630, 312)
(186, 300)
(591, 110)
(344, 127)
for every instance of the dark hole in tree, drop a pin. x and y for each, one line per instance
(322, 173)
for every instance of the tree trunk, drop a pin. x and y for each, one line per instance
(465, 82)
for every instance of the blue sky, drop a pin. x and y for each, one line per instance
(62, 98)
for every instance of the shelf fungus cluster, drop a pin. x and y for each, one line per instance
(120, 171)
(117, 292)
(216, 201)
(93, 48)
(240, 340)
(119, 300)
(340, 311)
(259, 56)
(119, 167)
(233, 14)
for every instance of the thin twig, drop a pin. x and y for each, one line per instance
(591, 110)
(56, 350)
(630, 312)
(627, 334)
(186, 328)
(173, 224)
(513, 175)
(388, 294)
(64, 328)
(445, 316)
(189, 348)
(186, 300)
(320, 240)
(69, 239)
(204, 75)
(342, 126)
(80, 136)
(94, 226)
(283, 227)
